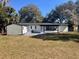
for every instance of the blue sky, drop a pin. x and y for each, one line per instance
(45, 6)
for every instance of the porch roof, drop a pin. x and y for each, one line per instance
(42, 24)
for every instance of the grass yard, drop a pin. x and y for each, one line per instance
(22, 47)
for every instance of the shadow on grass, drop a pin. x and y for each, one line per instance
(58, 36)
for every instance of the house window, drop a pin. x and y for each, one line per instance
(31, 27)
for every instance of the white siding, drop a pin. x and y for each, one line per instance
(14, 29)
(24, 29)
(28, 30)
(63, 28)
(35, 28)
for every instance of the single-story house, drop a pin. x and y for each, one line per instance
(35, 28)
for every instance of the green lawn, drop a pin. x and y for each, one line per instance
(22, 47)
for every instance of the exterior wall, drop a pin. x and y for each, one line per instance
(14, 29)
(34, 28)
(24, 29)
(43, 28)
(17, 29)
(29, 29)
(63, 28)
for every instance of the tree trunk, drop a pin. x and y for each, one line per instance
(3, 30)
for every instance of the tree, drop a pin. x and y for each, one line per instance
(65, 12)
(12, 16)
(4, 2)
(30, 14)
(69, 11)
(7, 16)
(51, 17)
(3, 21)
(77, 8)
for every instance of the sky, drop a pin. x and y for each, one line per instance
(45, 6)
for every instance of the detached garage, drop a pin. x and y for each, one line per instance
(14, 29)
